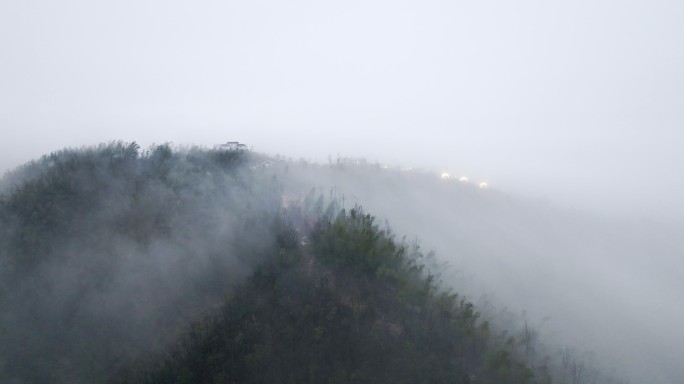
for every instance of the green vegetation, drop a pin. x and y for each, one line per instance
(353, 306)
(119, 265)
(108, 253)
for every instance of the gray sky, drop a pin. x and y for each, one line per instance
(579, 101)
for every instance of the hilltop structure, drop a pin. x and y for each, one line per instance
(232, 146)
(350, 161)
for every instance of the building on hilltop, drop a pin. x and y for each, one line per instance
(350, 161)
(232, 146)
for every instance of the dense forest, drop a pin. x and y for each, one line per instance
(348, 304)
(122, 265)
(108, 252)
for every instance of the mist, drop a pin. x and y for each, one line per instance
(107, 255)
(124, 248)
(576, 102)
(603, 285)
(570, 112)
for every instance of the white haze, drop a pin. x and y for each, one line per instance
(576, 106)
(577, 101)
(605, 287)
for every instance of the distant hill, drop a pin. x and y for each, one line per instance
(218, 266)
(347, 304)
(108, 253)
(578, 280)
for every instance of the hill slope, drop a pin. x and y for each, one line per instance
(109, 255)
(351, 306)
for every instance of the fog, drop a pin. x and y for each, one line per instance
(576, 101)
(120, 252)
(606, 287)
(106, 256)
(571, 112)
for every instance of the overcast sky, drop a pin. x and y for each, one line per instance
(578, 101)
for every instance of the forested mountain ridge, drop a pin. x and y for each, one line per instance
(209, 266)
(351, 306)
(106, 253)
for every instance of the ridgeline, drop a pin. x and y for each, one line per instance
(125, 266)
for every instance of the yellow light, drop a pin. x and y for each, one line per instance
(463, 179)
(484, 185)
(445, 176)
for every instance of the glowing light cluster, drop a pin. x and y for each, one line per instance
(463, 179)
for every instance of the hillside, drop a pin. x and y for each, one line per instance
(107, 253)
(351, 306)
(206, 266)
(580, 280)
